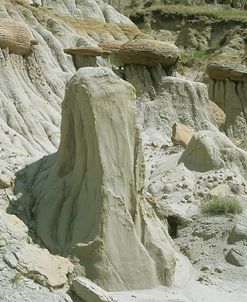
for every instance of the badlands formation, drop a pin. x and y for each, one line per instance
(107, 154)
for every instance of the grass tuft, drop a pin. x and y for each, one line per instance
(218, 205)
(17, 278)
(224, 12)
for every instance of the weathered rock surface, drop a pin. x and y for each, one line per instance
(15, 36)
(212, 150)
(146, 80)
(97, 211)
(158, 116)
(114, 45)
(148, 52)
(89, 291)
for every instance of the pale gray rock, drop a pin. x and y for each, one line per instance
(239, 232)
(212, 150)
(85, 218)
(10, 259)
(5, 181)
(89, 291)
(235, 257)
(178, 101)
(146, 80)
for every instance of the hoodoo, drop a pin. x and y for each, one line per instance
(98, 211)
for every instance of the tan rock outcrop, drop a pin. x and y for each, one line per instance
(219, 115)
(148, 53)
(39, 264)
(82, 51)
(15, 36)
(181, 134)
(90, 202)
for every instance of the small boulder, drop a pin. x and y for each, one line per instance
(89, 291)
(221, 190)
(181, 134)
(5, 181)
(45, 268)
(148, 52)
(235, 257)
(239, 232)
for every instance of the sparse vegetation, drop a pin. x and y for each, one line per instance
(191, 57)
(17, 278)
(218, 12)
(218, 205)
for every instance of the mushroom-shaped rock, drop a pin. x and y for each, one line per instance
(227, 70)
(15, 36)
(113, 46)
(148, 52)
(227, 88)
(85, 56)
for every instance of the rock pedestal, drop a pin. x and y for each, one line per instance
(227, 88)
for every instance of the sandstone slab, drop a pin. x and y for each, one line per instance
(39, 264)
(239, 232)
(223, 70)
(148, 52)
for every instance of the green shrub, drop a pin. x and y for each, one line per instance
(218, 205)
(190, 57)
